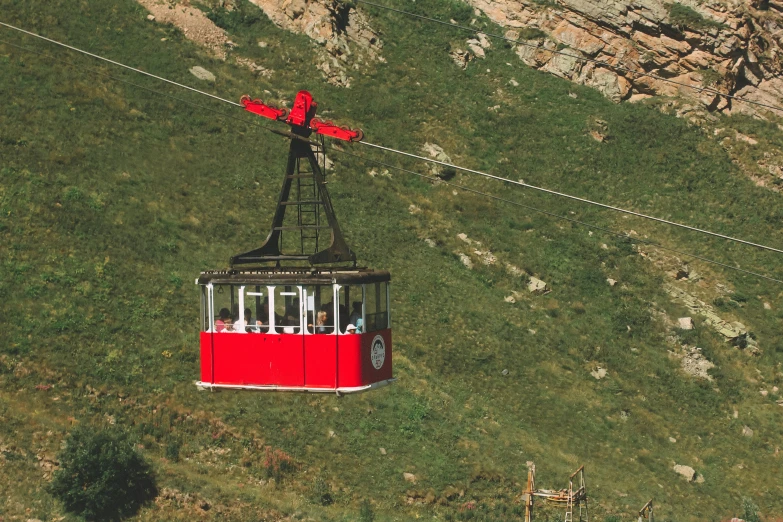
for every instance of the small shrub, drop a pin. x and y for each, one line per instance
(366, 514)
(710, 77)
(73, 194)
(321, 493)
(750, 511)
(277, 463)
(413, 422)
(175, 280)
(682, 16)
(546, 3)
(632, 318)
(172, 450)
(531, 33)
(101, 476)
(234, 19)
(725, 304)
(740, 298)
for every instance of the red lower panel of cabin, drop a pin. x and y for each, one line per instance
(296, 361)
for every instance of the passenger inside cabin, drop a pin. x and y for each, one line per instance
(223, 322)
(356, 313)
(292, 314)
(328, 309)
(239, 321)
(350, 329)
(262, 322)
(250, 322)
(320, 322)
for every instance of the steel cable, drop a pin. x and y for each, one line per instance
(422, 158)
(558, 216)
(119, 64)
(575, 198)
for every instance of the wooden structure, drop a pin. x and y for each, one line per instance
(646, 513)
(574, 496)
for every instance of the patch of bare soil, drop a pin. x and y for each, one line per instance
(193, 23)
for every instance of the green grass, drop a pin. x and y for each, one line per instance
(113, 199)
(684, 17)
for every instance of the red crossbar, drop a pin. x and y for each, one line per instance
(328, 128)
(258, 107)
(302, 115)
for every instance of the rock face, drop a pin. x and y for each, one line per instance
(734, 331)
(695, 364)
(685, 323)
(730, 46)
(202, 74)
(344, 33)
(537, 286)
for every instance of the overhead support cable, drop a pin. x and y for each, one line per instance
(575, 57)
(575, 198)
(558, 216)
(98, 72)
(422, 158)
(118, 63)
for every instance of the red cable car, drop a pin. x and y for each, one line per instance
(297, 316)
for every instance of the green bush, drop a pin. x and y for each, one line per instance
(172, 450)
(750, 511)
(321, 493)
(531, 33)
(277, 463)
(237, 17)
(710, 77)
(682, 16)
(366, 514)
(101, 476)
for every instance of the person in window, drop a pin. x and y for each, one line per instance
(262, 322)
(223, 322)
(250, 322)
(239, 321)
(328, 309)
(350, 329)
(356, 313)
(291, 318)
(320, 322)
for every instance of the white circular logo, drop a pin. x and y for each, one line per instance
(378, 352)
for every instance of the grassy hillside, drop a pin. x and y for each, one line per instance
(113, 199)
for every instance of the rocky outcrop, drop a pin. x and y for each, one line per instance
(730, 46)
(346, 38)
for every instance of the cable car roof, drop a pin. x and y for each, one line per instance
(294, 276)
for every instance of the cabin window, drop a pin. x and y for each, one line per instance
(350, 307)
(223, 301)
(376, 306)
(320, 309)
(207, 308)
(235, 308)
(288, 313)
(257, 308)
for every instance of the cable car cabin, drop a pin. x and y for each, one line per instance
(319, 331)
(290, 315)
